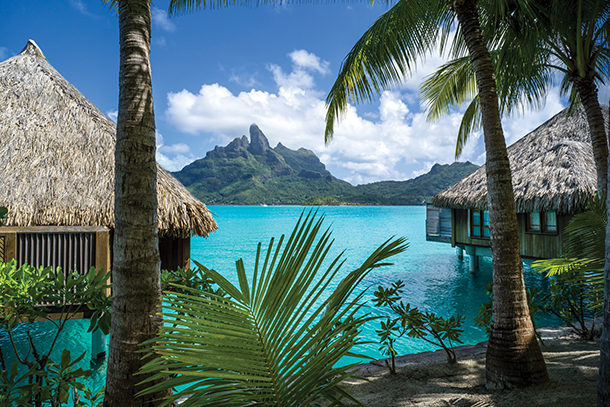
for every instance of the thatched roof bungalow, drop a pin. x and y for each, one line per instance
(57, 164)
(553, 173)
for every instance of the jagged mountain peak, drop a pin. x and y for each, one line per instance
(258, 142)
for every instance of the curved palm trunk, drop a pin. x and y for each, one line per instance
(603, 381)
(588, 96)
(135, 274)
(513, 355)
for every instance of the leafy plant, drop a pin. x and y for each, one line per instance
(414, 323)
(31, 293)
(277, 338)
(195, 279)
(577, 287)
(535, 301)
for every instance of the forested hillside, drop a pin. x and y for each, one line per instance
(250, 172)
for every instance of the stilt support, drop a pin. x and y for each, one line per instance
(471, 251)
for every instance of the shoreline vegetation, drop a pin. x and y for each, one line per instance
(426, 379)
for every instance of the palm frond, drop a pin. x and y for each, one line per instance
(277, 339)
(385, 54)
(471, 121)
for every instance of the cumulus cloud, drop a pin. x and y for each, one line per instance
(161, 20)
(173, 157)
(394, 142)
(305, 60)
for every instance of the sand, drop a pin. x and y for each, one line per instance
(426, 379)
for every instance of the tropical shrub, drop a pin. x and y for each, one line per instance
(189, 278)
(276, 340)
(577, 280)
(414, 323)
(47, 382)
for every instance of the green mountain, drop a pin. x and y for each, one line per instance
(251, 172)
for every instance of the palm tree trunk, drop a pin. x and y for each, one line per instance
(513, 355)
(588, 96)
(135, 274)
(603, 380)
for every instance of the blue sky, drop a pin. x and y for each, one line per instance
(215, 72)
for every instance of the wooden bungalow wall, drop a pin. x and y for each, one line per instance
(78, 248)
(532, 245)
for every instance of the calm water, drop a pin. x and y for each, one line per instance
(435, 279)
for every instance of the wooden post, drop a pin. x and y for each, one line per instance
(10, 245)
(102, 252)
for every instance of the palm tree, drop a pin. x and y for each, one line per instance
(530, 46)
(136, 294)
(385, 53)
(565, 37)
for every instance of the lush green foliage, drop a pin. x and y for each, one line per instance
(567, 299)
(22, 291)
(577, 291)
(414, 323)
(185, 280)
(530, 42)
(298, 177)
(276, 338)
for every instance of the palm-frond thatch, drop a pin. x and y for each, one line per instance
(57, 156)
(552, 169)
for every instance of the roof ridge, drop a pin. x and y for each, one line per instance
(31, 48)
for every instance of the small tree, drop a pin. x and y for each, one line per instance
(414, 323)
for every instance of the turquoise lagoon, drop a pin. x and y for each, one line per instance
(435, 279)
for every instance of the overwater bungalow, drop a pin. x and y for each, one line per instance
(554, 176)
(57, 176)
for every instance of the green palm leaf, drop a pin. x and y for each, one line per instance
(276, 340)
(386, 53)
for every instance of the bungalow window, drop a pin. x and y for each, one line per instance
(542, 222)
(479, 224)
(550, 221)
(534, 222)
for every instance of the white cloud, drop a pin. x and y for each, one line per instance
(173, 157)
(161, 20)
(305, 60)
(113, 115)
(395, 142)
(3, 53)
(179, 148)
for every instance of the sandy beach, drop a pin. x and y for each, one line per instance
(426, 379)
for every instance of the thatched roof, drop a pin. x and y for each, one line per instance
(57, 156)
(552, 169)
